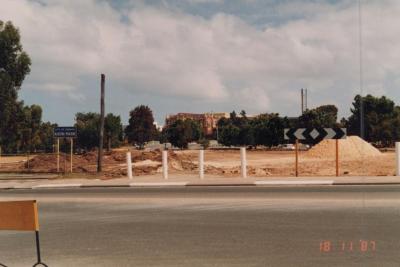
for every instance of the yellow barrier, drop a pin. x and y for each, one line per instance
(21, 216)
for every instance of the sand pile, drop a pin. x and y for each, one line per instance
(42, 162)
(351, 148)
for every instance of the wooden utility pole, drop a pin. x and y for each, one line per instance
(101, 131)
(72, 152)
(58, 154)
(297, 158)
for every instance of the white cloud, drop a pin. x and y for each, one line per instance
(221, 60)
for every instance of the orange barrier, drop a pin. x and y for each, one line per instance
(21, 216)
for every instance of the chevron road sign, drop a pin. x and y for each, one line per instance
(315, 134)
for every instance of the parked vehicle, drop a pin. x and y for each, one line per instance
(288, 147)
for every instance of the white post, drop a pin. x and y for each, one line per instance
(129, 164)
(201, 163)
(397, 158)
(165, 164)
(243, 162)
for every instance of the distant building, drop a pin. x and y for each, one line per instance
(158, 127)
(207, 121)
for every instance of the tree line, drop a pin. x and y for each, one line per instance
(381, 126)
(22, 128)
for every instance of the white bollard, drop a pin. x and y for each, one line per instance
(129, 164)
(243, 162)
(165, 164)
(397, 158)
(201, 163)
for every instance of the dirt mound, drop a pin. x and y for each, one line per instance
(139, 155)
(351, 148)
(180, 162)
(45, 163)
(114, 162)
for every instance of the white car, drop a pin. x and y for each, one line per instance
(288, 147)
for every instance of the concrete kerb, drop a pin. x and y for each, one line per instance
(160, 184)
(41, 186)
(258, 183)
(295, 182)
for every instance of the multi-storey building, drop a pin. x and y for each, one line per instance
(208, 121)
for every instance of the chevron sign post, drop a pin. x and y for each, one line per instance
(315, 135)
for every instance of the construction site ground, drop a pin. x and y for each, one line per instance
(218, 163)
(282, 163)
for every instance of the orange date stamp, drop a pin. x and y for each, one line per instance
(363, 246)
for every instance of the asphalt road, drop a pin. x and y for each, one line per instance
(211, 226)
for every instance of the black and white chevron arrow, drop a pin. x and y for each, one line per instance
(315, 134)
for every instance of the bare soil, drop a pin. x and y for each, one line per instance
(282, 163)
(225, 163)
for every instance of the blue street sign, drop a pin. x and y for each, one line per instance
(61, 132)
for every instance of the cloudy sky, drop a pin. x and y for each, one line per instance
(204, 55)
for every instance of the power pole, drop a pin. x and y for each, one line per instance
(306, 100)
(101, 131)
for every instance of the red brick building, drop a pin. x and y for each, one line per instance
(207, 121)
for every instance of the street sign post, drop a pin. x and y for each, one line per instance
(65, 132)
(315, 135)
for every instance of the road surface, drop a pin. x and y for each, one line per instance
(211, 226)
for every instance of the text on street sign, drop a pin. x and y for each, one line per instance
(65, 132)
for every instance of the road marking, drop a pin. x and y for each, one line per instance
(295, 182)
(56, 185)
(160, 184)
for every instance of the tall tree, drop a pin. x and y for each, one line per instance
(181, 132)
(268, 129)
(141, 126)
(323, 116)
(328, 115)
(112, 131)
(237, 130)
(88, 124)
(30, 127)
(14, 66)
(229, 135)
(265, 129)
(381, 118)
(46, 137)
